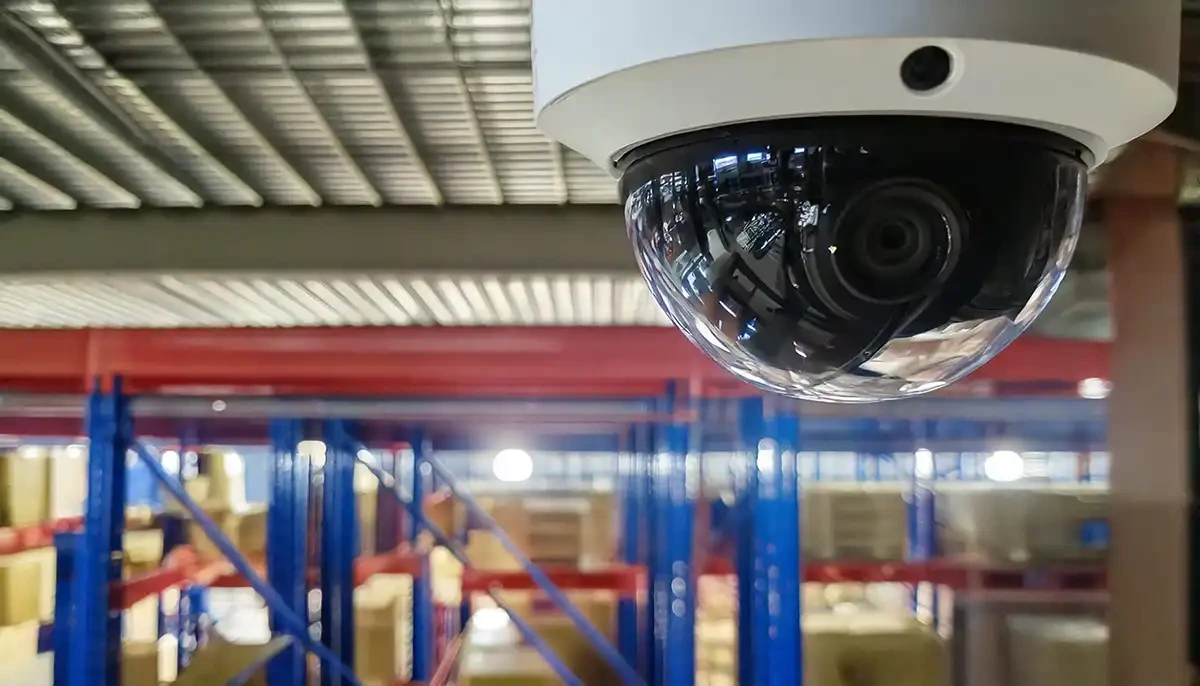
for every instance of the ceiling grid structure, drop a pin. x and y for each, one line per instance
(176, 103)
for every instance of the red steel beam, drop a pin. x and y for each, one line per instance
(502, 361)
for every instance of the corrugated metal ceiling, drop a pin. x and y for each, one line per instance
(177, 103)
(275, 300)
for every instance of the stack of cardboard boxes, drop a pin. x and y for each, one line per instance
(383, 629)
(26, 579)
(854, 522)
(568, 531)
(847, 640)
(1023, 524)
(575, 531)
(1053, 651)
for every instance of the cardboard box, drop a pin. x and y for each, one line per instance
(45, 560)
(20, 590)
(439, 510)
(18, 646)
(251, 529)
(143, 547)
(516, 665)
(198, 489)
(138, 517)
(139, 663)
(247, 530)
(368, 522)
(219, 662)
(1051, 651)
(381, 629)
(68, 481)
(140, 622)
(24, 487)
(485, 551)
(1024, 524)
(864, 521)
(226, 474)
(844, 649)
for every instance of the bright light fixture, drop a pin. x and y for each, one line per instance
(1094, 388)
(234, 464)
(512, 465)
(219, 406)
(923, 464)
(766, 456)
(170, 461)
(487, 619)
(1004, 466)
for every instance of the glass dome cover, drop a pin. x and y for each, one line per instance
(855, 259)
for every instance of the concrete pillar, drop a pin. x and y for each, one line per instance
(1152, 418)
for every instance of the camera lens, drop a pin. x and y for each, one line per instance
(895, 240)
(926, 68)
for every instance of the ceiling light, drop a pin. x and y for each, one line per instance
(512, 465)
(1004, 466)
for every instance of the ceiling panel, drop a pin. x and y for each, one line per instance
(284, 300)
(177, 103)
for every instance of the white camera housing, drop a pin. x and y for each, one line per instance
(610, 75)
(852, 200)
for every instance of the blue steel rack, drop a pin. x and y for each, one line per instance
(660, 441)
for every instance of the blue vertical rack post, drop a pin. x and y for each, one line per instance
(631, 542)
(647, 449)
(422, 606)
(63, 633)
(659, 572)
(99, 562)
(777, 644)
(339, 547)
(750, 433)
(677, 472)
(922, 513)
(287, 537)
(770, 643)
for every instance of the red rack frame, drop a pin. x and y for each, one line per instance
(444, 361)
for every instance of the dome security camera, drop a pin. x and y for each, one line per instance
(852, 200)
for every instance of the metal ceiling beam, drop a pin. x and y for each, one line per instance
(59, 101)
(86, 183)
(472, 113)
(139, 113)
(27, 190)
(406, 139)
(335, 142)
(424, 240)
(263, 143)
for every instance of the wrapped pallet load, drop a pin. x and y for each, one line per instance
(1023, 524)
(1056, 651)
